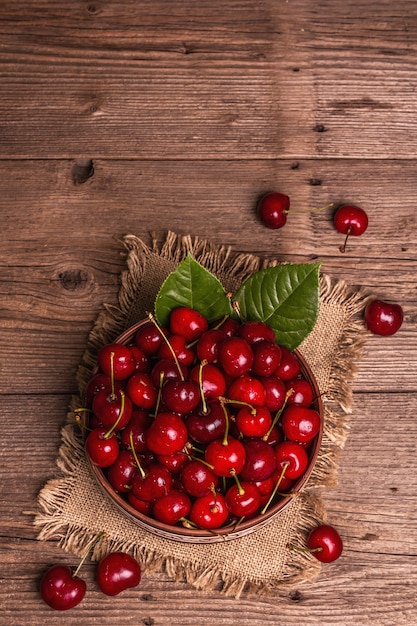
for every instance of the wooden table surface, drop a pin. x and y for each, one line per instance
(153, 115)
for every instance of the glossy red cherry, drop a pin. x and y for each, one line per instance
(275, 392)
(149, 338)
(112, 410)
(141, 390)
(292, 458)
(198, 479)
(181, 396)
(116, 572)
(325, 543)
(266, 357)
(167, 434)
(247, 389)
(243, 499)
(272, 210)
(187, 322)
(61, 589)
(253, 331)
(289, 366)
(383, 318)
(253, 423)
(300, 424)
(121, 472)
(177, 345)
(350, 220)
(226, 458)
(204, 427)
(172, 507)
(97, 383)
(208, 345)
(211, 378)
(116, 360)
(209, 512)
(235, 356)
(260, 462)
(165, 369)
(301, 392)
(135, 431)
(102, 448)
(151, 483)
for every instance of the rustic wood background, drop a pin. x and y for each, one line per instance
(147, 115)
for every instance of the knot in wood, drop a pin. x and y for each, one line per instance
(73, 279)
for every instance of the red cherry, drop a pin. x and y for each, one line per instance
(103, 449)
(266, 357)
(247, 389)
(300, 424)
(235, 356)
(173, 462)
(141, 390)
(152, 483)
(350, 220)
(275, 392)
(205, 427)
(212, 380)
(172, 507)
(142, 360)
(181, 396)
(97, 383)
(187, 322)
(253, 423)
(226, 458)
(142, 506)
(260, 460)
(116, 360)
(178, 345)
(228, 326)
(301, 392)
(209, 512)
(243, 499)
(383, 318)
(135, 430)
(325, 543)
(164, 369)
(208, 345)
(149, 339)
(272, 210)
(112, 410)
(116, 572)
(198, 479)
(61, 589)
(254, 331)
(289, 367)
(167, 434)
(292, 457)
(121, 472)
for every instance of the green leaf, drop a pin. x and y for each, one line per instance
(193, 286)
(286, 297)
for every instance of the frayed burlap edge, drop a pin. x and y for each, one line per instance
(110, 323)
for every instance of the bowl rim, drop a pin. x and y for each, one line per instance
(196, 535)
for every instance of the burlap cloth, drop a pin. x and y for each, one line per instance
(73, 509)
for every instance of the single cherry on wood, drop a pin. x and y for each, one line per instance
(325, 543)
(116, 572)
(383, 318)
(350, 220)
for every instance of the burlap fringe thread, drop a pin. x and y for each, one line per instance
(110, 323)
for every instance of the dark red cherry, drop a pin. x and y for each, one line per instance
(116, 572)
(187, 322)
(253, 331)
(266, 357)
(173, 462)
(325, 543)
(121, 472)
(149, 339)
(165, 369)
(301, 392)
(102, 449)
(289, 366)
(152, 483)
(350, 220)
(260, 460)
(178, 345)
(181, 396)
(275, 392)
(206, 427)
(142, 360)
(61, 589)
(172, 507)
(253, 423)
(142, 506)
(208, 345)
(167, 434)
(97, 383)
(383, 318)
(209, 512)
(272, 210)
(235, 356)
(135, 430)
(116, 360)
(211, 378)
(113, 410)
(247, 389)
(141, 390)
(198, 479)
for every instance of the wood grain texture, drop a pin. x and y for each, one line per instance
(154, 115)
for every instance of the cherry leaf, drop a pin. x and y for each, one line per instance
(286, 297)
(193, 286)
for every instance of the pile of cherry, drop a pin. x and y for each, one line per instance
(200, 426)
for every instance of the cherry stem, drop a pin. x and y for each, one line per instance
(343, 247)
(224, 318)
(165, 338)
(119, 417)
(159, 397)
(135, 456)
(274, 492)
(238, 483)
(236, 308)
(304, 548)
(278, 415)
(87, 552)
(226, 415)
(113, 395)
(200, 382)
(224, 400)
